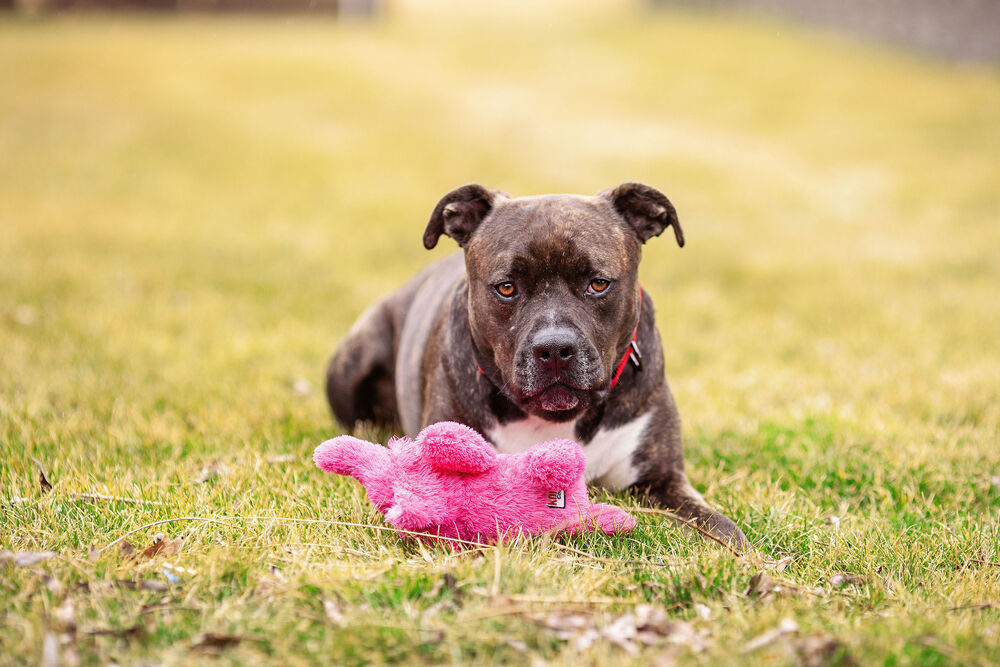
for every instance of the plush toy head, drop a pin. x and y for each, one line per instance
(448, 481)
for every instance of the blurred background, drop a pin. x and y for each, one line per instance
(198, 197)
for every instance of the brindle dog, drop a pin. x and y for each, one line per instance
(541, 330)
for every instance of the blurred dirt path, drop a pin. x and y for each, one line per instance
(957, 29)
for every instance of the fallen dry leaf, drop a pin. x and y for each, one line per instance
(53, 585)
(59, 644)
(759, 585)
(126, 549)
(43, 480)
(93, 553)
(25, 558)
(778, 565)
(51, 655)
(785, 628)
(820, 651)
(841, 579)
(211, 640)
(622, 632)
(517, 645)
(333, 612)
(162, 546)
(208, 473)
(646, 625)
(578, 628)
(65, 616)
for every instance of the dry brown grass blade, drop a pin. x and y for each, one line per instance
(536, 599)
(686, 522)
(518, 610)
(613, 561)
(352, 524)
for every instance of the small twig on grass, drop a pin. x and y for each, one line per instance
(686, 522)
(493, 613)
(979, 605)
(984, 562)
(117, 499)
(167, 606)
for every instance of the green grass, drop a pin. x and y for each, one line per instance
(193, 211)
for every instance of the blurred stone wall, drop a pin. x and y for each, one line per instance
(958, 29)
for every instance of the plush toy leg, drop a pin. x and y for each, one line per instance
(411, 511)
(610, 519)
(366, 462)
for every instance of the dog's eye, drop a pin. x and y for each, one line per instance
(598, 285)
(506, 290)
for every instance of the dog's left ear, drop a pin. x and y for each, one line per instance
(458, 214)
(646, 210)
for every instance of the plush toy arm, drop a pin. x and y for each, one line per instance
(367, 462)
(453, 447)
(345, 455)
(556, 464)
(609, 519)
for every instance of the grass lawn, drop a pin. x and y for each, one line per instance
(194, 210)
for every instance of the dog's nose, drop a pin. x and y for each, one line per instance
(553, 348)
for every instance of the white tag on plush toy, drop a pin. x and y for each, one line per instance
(557, 499)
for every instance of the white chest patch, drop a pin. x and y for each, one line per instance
(521, 435)
(609, 452)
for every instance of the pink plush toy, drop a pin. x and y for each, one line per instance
(450, 482)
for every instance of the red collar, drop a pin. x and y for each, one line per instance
(631, 352)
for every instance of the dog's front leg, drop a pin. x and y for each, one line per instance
(662, 482)
(674, 493)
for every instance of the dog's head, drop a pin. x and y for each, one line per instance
(553, 286)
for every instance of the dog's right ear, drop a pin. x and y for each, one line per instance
(458, 214)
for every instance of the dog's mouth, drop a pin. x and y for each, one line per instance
(559, 401)
(556, 398)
